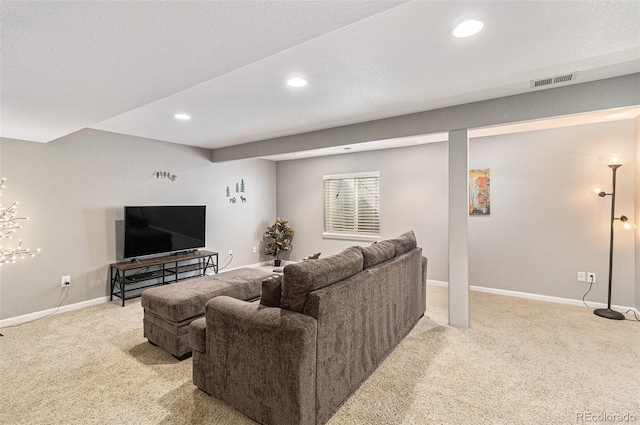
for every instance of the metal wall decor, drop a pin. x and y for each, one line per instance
(164, 175)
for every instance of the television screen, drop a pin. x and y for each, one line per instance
(163, 229)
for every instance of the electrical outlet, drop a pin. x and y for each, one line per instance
(65, 281)
(582, 277)
(591, 277)
(230, 252)
(255, 249)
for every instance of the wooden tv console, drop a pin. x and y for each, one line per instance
(129, 278)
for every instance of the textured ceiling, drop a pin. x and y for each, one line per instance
(129, 66)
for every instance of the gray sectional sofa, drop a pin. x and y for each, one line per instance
(317, 333)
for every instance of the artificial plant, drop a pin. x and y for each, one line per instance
(282, 234)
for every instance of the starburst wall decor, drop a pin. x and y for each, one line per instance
(8, 226)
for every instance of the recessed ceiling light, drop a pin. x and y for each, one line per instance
(182, 117)
(467, 28)
(297, 82)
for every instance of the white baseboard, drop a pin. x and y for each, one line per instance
(437, 283)
(537, 297)
(12, 321)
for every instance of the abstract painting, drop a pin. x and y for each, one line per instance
(479, 197)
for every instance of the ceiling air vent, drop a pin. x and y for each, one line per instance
(554, 80)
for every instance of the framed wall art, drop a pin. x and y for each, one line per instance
(479, 191)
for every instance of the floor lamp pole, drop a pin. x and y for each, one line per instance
(607, 312)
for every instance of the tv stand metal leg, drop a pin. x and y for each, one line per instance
(122, 287)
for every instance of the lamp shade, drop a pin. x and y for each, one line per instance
(615, 158)
(596, 190)
(626, 223)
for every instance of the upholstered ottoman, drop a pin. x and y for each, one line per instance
(169, 309)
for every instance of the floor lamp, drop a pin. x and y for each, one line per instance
(614, 162)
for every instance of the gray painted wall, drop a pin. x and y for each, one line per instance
(543, 228)
(535, 240)
(74, 190)
(413, 191)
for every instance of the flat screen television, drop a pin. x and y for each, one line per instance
(163, 229)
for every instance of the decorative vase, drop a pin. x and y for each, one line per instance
(276, 263)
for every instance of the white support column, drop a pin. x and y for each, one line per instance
(458, 228)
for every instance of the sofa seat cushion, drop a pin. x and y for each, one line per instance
(377, 253)
(301, 278)
(185, 300)
(404, 242)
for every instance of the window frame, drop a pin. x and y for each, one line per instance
(357, 236)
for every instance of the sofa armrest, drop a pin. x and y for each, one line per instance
(197, 335)
(262, 359)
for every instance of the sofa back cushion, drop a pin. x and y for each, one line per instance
(306, 276)
(404, 242)
(271, 291)
(377, 253)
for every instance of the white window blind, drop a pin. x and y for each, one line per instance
(352, 205)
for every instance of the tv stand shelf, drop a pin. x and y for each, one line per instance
(129, 278)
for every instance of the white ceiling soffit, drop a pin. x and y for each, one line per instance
(520, 127)
(128, 67)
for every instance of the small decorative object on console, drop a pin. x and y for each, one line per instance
(282, 235)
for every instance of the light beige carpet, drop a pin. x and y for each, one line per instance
(521, 362)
